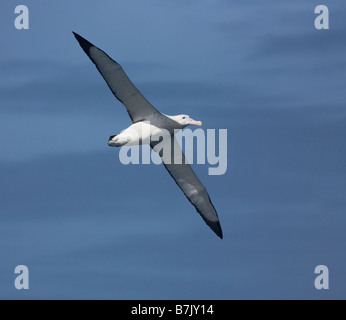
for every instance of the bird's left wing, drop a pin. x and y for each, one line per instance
(174, 160)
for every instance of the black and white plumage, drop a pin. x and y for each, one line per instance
(142, 112)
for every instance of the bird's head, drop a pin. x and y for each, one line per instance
(184, 120)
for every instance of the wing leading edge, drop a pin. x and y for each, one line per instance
(138, 107)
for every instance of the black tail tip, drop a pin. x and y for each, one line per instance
(111, 137)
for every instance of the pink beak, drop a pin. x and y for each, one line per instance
(194, 122)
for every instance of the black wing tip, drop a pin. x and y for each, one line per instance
(85, 44)
(216, 227)
(77, 36)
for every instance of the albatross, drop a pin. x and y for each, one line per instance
(145, 116)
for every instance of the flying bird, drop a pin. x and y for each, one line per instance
(155, 128)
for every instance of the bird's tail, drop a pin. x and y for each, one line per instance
(116, 141)
(113, 143)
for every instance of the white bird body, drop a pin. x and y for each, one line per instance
(138, 133)
(144, 132)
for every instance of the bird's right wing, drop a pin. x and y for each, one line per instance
(174, 160)
(138, 107)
